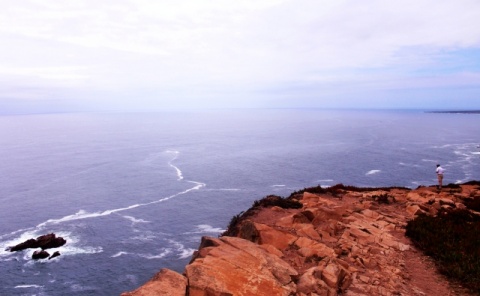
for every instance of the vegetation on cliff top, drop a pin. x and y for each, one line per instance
(268, 201)
(452, 239)
(338, 188)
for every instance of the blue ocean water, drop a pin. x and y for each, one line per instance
(134, 192)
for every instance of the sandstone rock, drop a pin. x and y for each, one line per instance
(349, 246)
(307, 230)
(264, 234)
(333, 275)
(414, 210)
(311, 283)
(239, 267)
(164, 283)
(308, 248)
(445, 201)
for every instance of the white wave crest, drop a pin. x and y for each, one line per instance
(210, 229)
(158, 256)
(325, 180)
(186, 253)
(181, 250)
(119, 254)
(371, 172)
(170, 163)
(27, 286)
(81, 214)
(135, 220)
(223, 189)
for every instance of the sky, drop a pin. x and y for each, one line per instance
(153, 55)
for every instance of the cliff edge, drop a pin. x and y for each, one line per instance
(337, 241)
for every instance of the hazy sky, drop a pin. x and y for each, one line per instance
(139, 54)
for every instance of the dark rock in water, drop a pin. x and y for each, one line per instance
(31, 243)
(56, 254)
(47, 241)
(40, 255)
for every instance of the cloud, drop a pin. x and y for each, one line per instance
(216, 48)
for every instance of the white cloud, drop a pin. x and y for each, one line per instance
(207, 47)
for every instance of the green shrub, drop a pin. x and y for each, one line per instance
(452, 239)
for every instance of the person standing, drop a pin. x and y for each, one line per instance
(439, 172)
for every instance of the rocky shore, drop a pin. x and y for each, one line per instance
(337, 241)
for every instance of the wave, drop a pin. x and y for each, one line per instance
(179, 172)
(81, 214)
(325, 180)
(209, 229)
(371, 172)
(223, 189)
(144, 237)
(28, 286)
(119, 254)
(181, 250)
(159, 256)
(73, 248)
(135, 220)
(146, 256)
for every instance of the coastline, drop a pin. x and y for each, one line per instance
(326, 241)
(456, 111)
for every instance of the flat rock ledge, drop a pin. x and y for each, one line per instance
(345, 243)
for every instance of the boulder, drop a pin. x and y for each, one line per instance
(50, 241)
(165, 283)
(234, 266)
(264, 234)
(40, 255)
(31, 243)
(56, 254)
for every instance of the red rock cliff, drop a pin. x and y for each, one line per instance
(342, 242)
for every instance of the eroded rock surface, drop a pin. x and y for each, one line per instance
(350, 242)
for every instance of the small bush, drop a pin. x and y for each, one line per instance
(317, 189)
(473, 182)
(452, 239)
(473, 204)
(337, 188)
(268, 201)
(273, 200)
(383, 198)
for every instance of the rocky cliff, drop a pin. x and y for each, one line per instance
(337, 241)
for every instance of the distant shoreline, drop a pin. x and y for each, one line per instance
(458, 111)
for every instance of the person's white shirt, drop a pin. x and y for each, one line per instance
(440, 170)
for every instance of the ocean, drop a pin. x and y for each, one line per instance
(134, 192)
